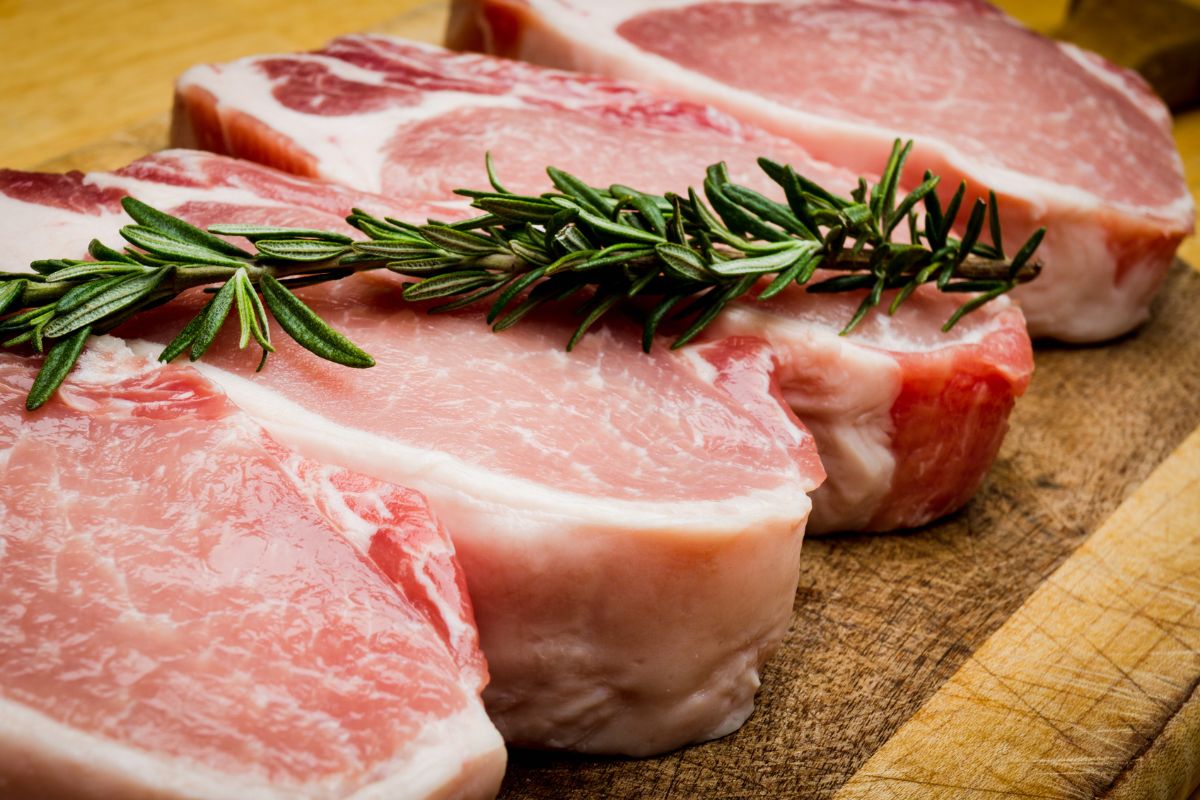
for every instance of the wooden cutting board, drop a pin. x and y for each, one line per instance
(1043, 643)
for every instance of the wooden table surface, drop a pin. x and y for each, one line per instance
(1106, 640)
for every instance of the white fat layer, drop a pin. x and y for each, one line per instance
(600, 50)
(350, 149)
(843, 392)
(459, 756)
(1080, 299)
(168, 195)
(109, 359)
(33, 231)
(449, 481)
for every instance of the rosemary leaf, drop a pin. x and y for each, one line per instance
(252, 316)
(655, 318)
(450, 283)
(644, 204)
(397, 249)
(512, 290)
(422, 266)
(93, 268)
(597, 308)
(467, 299)
(310, 331)
(843, 283)
(1026, 252)
(58, 364)
(719, 300)
(761, 265)
(211, 319)
(11, 292)
(579, 191)
(19, 339)
(909, 203)
(301, 249)
(491, 174)
(122, 294)
(735, 216)
(179, 231)
(554, 290)
(883, 198)
(27, 318)
(167, 248)
(458, 241)
(258, 233)
(994, 225)
(971, 305)
(84, 292)
(768, 210)
(102, 252)
(683, 262)
(517, 210)
(183, 340)
(46, 266)
(791, 274)
(713, 225)
(628, 232)
(973, 229)
(951, 215)
(617, 254)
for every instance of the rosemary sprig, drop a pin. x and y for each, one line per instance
(678, 257)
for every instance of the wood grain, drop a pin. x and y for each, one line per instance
(77, 71)
(892, 675)
(1083, 679)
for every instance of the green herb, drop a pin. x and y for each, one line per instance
(679, 257)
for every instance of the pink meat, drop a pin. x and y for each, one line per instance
(416, 124)
(1067, 140)
(629, 525)
(907, 419)
(189, 609)
(419, 119)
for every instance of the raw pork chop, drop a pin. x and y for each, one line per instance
(375, 112)
(189, 610)
(1067, 140)
(629, 525)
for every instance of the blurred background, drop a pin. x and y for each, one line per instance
(87, 83)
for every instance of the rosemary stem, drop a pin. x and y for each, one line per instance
(973, 267)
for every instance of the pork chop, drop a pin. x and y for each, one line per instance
(189, 610)
(1067, 140)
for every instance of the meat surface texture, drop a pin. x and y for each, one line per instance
(629, 524)
(1066, 140)
(191, 611)
(413, 120)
